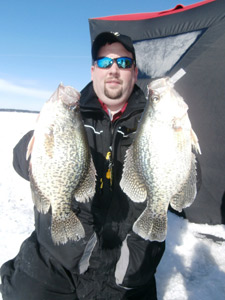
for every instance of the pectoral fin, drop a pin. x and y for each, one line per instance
(195, 143)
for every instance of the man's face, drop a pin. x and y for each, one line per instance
(113, 86)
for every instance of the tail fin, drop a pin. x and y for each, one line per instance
(66, 227)
(151, 226)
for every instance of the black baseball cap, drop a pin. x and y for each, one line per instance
(112, 37)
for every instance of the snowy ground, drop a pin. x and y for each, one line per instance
(193, 267)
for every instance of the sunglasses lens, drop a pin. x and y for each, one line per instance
(124, 62)
(104, 62)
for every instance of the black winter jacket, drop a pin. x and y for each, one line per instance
(112, 262)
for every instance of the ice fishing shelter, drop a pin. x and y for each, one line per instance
(191, 38)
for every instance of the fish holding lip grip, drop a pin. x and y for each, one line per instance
(160, 165)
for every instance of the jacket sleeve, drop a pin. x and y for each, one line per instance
(73, 255)
(20, 163)
(138, 261)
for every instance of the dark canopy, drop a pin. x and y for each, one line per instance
(192, 38)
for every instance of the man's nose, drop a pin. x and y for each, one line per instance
(114, 68)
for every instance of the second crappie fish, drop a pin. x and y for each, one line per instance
(159, 165)
(61, 165)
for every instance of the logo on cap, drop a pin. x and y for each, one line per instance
(115, 33)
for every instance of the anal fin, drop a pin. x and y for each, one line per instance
(131, 183)
(186, 195)
(86, 188)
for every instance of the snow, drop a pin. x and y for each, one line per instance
(193, 266)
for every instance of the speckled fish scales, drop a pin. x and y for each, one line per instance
(61, 165)
(159, 166)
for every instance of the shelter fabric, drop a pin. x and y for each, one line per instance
(192, 38)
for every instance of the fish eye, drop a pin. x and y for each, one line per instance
(155, 98)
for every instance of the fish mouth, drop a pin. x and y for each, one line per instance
(70, 102)
(69, 96)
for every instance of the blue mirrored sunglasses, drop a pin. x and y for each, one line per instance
(107, 62)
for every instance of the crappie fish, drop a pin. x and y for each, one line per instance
(61, 166)
(159, 165)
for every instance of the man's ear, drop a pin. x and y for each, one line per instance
(136, 74)
(92, 71)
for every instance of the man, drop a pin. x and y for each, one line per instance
(111, 262)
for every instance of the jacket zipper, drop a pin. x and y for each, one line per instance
(110, 154)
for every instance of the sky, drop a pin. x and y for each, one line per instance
(45, 42)
(192, 268)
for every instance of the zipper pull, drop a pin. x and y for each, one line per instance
(110, 165)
